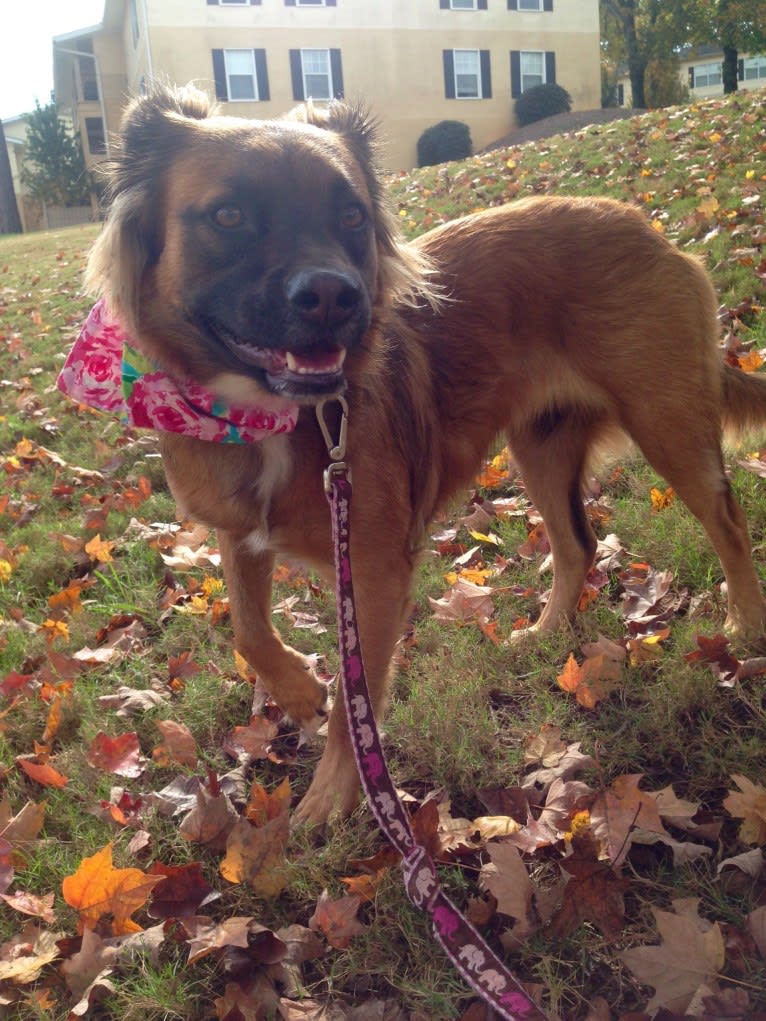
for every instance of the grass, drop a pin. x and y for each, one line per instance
(463, 706)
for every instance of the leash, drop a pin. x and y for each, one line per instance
(476, 962)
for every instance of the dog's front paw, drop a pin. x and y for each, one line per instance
(333, 794)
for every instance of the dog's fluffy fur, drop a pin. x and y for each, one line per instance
(556, 321)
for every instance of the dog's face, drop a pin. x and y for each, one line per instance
(251, 256)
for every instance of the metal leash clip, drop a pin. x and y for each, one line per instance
(337, 451)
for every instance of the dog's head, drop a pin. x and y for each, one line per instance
(249, 256)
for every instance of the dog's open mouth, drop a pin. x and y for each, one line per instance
(318, 371)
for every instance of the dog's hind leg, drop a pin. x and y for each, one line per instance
(689, 457)
(551, 453)
(287, 675)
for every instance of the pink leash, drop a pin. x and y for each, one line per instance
(479, 966)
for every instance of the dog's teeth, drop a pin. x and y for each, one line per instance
(315, 364)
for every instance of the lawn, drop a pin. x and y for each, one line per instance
(596, 799)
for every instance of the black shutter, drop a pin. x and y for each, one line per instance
(513, 5)
(330, 3)
(262, 75)
(550, 66)
(691, 77)
(296, 72)
(289, 3)
(486, 75)
(336, 67)
(515, 74)
(444, 5)
(255, 3)
(547, 5)
(740, 70)
(449, 74)
(219, 73)
(212, 3)
(621, 95)
(482, 5)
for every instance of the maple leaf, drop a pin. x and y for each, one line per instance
(256, 855)
(690, 954)
(337, 920)
(38, 768)
(24, 957)
(22, 829)
(508, 881)
(619, 810)
(593, 893)
(86, 972)
(97, 889)
(120, 755)
(592, 681)
(100, 550)
(29, 904)
(178, 747)
(748, 804)
(206, 936)
(182, 891)
(211, 820)
(464, 602)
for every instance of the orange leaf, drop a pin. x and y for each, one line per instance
(37, 768)
(97, 890)
(99, 550)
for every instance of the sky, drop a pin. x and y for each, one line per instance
(27, 28)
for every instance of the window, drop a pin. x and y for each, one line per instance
(467, 74)
(316, 74)
(705, 75)
(94, 130)
(463, 5)
(88, 79)
(530, 5)
(241, 75)
(310, 3)
(754, 67)
(233, 3)
(530, 68)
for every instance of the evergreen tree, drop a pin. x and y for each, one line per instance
(54, 165)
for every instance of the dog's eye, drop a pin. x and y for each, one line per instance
(353, 217)
(228, 217)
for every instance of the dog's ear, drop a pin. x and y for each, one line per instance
(153, 129)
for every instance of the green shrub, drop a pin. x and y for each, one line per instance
(447, 140)
(541, 101)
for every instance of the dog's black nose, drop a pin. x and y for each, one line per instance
(324, 296)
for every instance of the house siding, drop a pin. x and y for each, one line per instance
(391, 55)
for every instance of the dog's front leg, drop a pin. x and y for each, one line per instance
(381, 578)
(287, 675)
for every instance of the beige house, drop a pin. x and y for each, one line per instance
(414, 62)
(701, 71)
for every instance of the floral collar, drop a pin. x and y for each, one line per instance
(105, 371)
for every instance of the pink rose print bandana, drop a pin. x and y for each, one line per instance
(105, 371)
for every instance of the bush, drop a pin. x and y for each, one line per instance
(541, 101)
(447, 140)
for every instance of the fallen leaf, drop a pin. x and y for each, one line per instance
(97, 891)
(689, 955)
(337, 920)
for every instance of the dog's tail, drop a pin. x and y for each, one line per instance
(744, 399)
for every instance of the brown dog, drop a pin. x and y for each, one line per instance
(261, 260)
